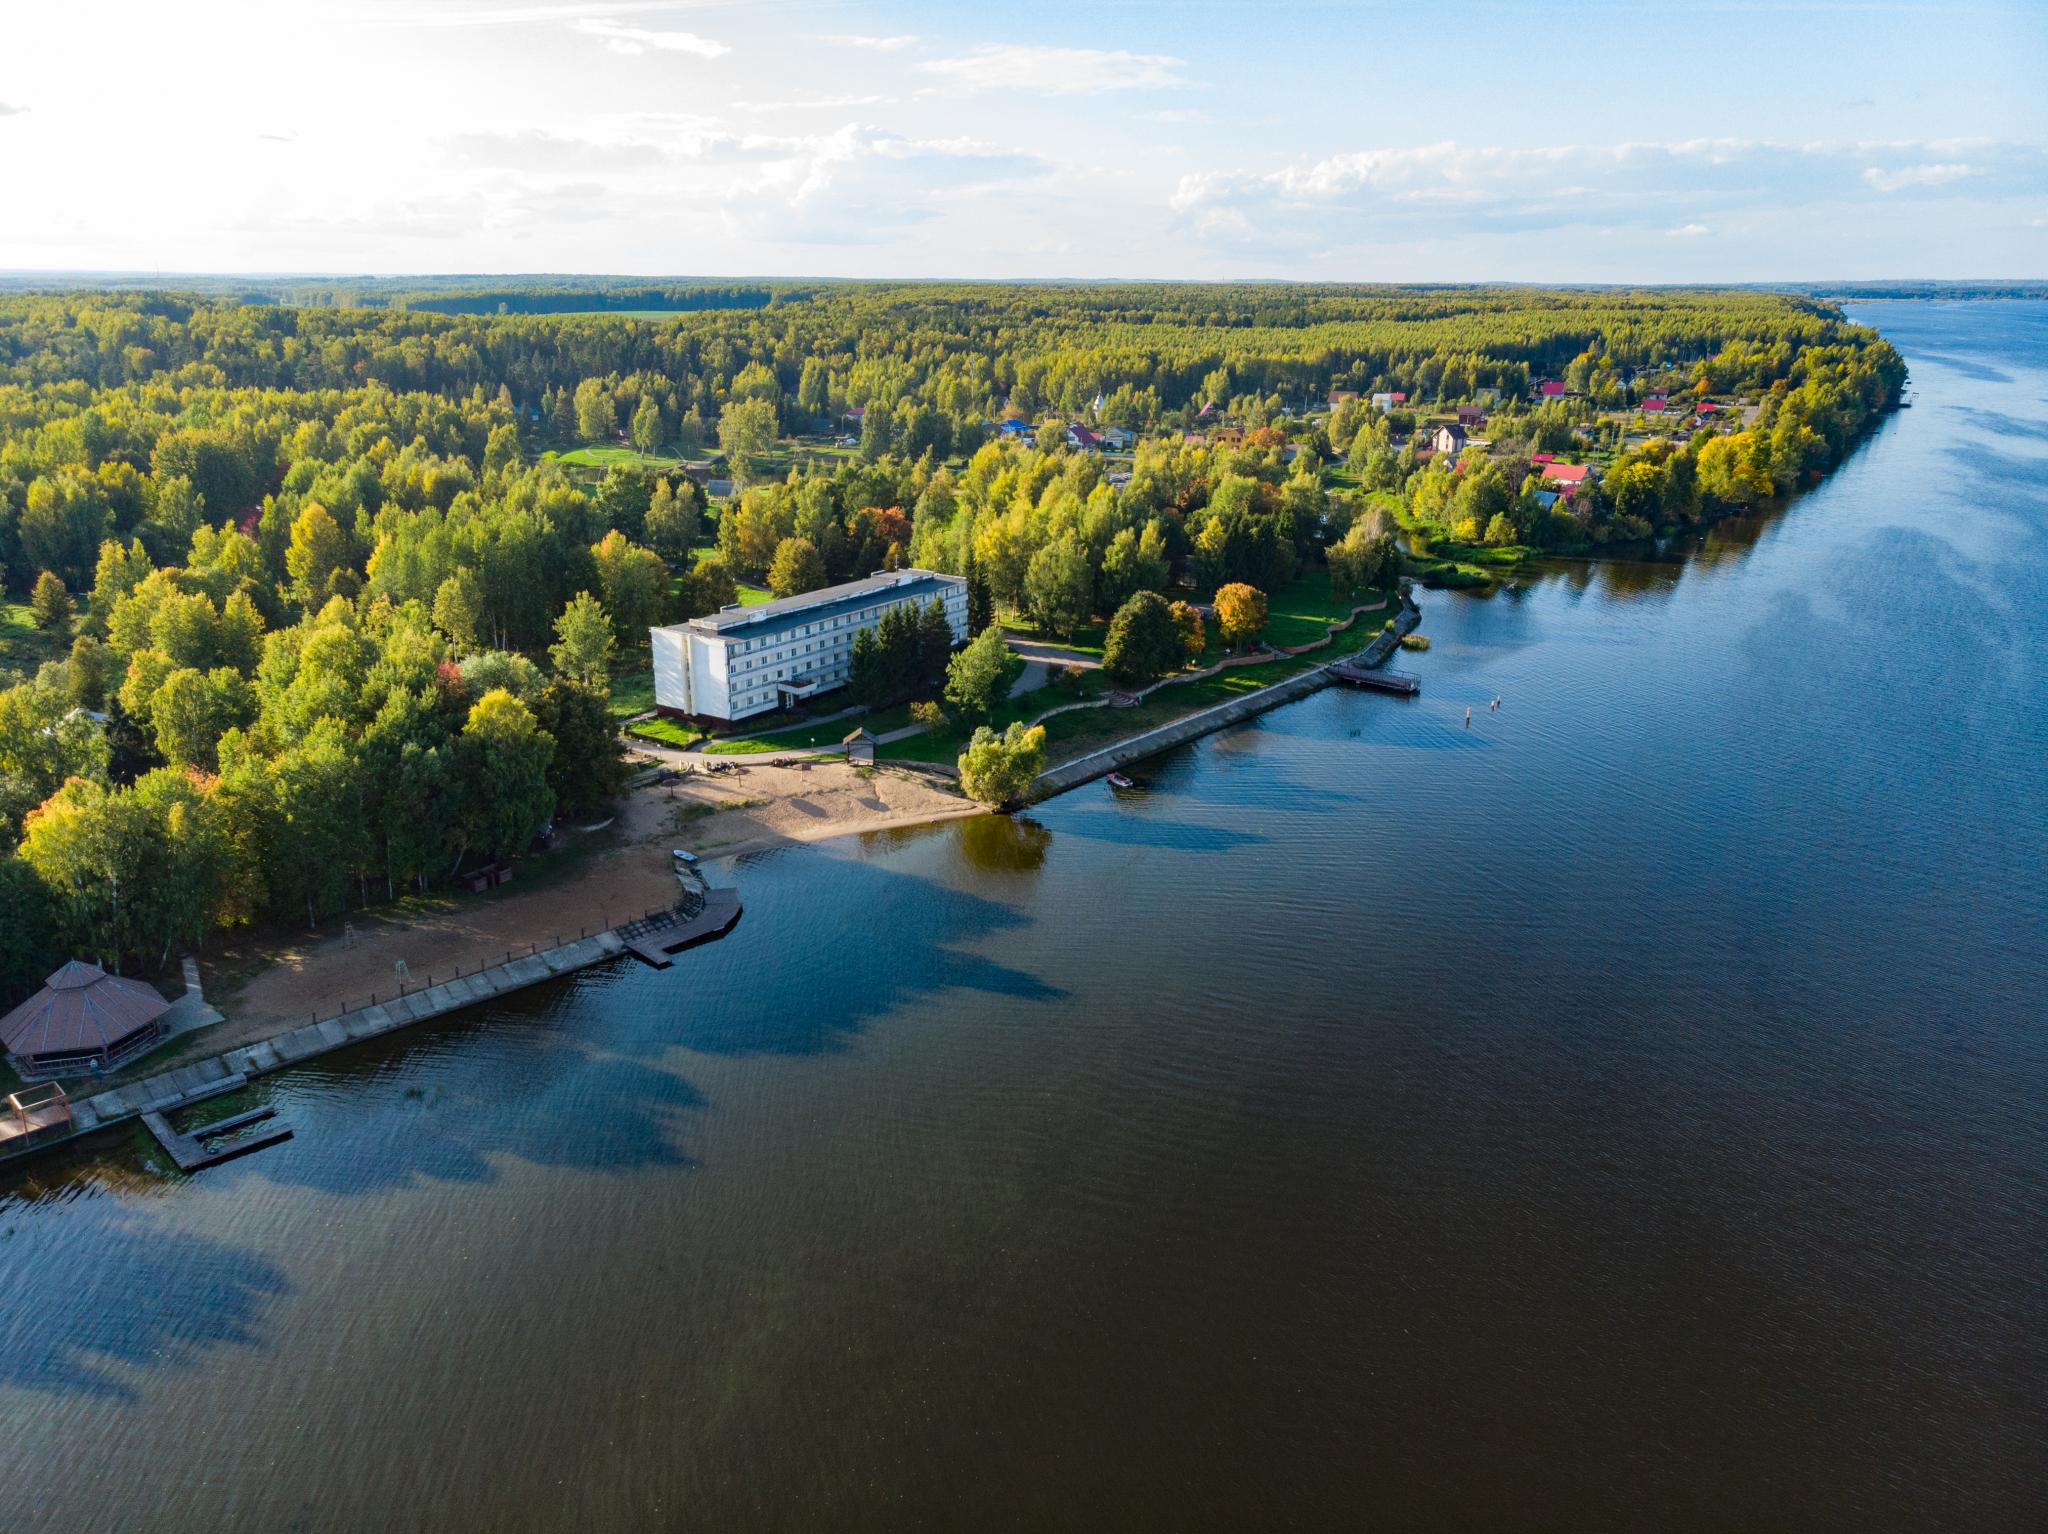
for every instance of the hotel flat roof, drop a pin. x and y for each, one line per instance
(826, 602)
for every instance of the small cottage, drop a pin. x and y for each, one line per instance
(860, 748)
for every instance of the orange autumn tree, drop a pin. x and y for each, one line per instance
(1240, 612)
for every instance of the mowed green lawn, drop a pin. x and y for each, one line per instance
(607, 457)
(23, 646)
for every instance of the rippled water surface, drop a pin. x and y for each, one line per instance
(1626, 1113)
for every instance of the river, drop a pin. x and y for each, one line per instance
(1626, 1112)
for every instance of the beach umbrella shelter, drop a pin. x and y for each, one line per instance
(83, 1019)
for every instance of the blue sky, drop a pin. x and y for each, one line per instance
(1539, 142)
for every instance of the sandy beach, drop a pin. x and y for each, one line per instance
(590, 880)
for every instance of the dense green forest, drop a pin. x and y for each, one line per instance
(303, 609)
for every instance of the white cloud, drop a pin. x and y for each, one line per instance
(434, 17)
(1174, 115)
(621, 38)
(862, 40)
(1057, 71)
(9, 109)
(1451, 190)
(1916, 175)
(1689, 231)
(816, 104)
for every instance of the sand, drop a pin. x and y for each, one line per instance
(589, 881)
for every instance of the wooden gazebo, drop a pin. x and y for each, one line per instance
(82, 1021)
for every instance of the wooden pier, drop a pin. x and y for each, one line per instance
(196, 1148)
(1355, 675)
(698, 921)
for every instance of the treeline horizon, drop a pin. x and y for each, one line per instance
(320, 618)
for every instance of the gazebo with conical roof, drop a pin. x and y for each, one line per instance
(82, 1020)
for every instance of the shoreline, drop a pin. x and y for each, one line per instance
(285, 985)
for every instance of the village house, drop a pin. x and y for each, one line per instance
(1471, 416)
(1551, 388)
(1342, 397)
(1117, 439)
(1654, 405)
(1084, 439)
(1568, 475)
(1448, 440)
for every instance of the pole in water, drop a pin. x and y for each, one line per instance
(1468, 718)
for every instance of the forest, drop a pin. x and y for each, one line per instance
(305, 608)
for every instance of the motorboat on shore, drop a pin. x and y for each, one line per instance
(1118, 780)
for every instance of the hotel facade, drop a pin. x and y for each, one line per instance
(741, 661)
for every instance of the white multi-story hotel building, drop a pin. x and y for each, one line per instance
(741, 661)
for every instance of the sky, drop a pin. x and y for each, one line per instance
(1723, 141)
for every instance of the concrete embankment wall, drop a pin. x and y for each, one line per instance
(1056, 780)
(202, 1079)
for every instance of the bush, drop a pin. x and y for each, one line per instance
(930, 715)
(998, 769)
(1414, 641)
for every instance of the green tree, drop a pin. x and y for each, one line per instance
(1240, 613)
(707, 588)
(504, 759)
(1364, 559)
(796, 568)
(192, 710)
(646, 428)
(1059, 586)
(583, 642)
(997, 769)
(318, 558)
(1142, 642)
(675, 520)
(597, 413)
(459, 610)
(634, 584)
(746, 430)
(588, 767)
(981, 675)
(49, 604)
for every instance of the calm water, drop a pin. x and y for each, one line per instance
(1628, 1113)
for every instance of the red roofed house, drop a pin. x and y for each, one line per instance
(1654, 405)
(1551, 388)
(1543, 458)
(1399, 397)
(1705, 407)
(1566, 474)
(83, 1019)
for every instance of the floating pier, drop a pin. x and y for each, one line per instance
(696, 921)
(1355, 675)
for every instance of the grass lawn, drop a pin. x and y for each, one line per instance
(632, 692)
(754, 596)
(674, 732)
(606, 457)
(23, 646)
(1303, 612)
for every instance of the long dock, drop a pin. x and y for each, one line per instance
(155, 1097)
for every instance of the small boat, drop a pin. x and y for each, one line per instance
(1118, 780)
(683, 857)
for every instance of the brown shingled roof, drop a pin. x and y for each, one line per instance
(81, 1008)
